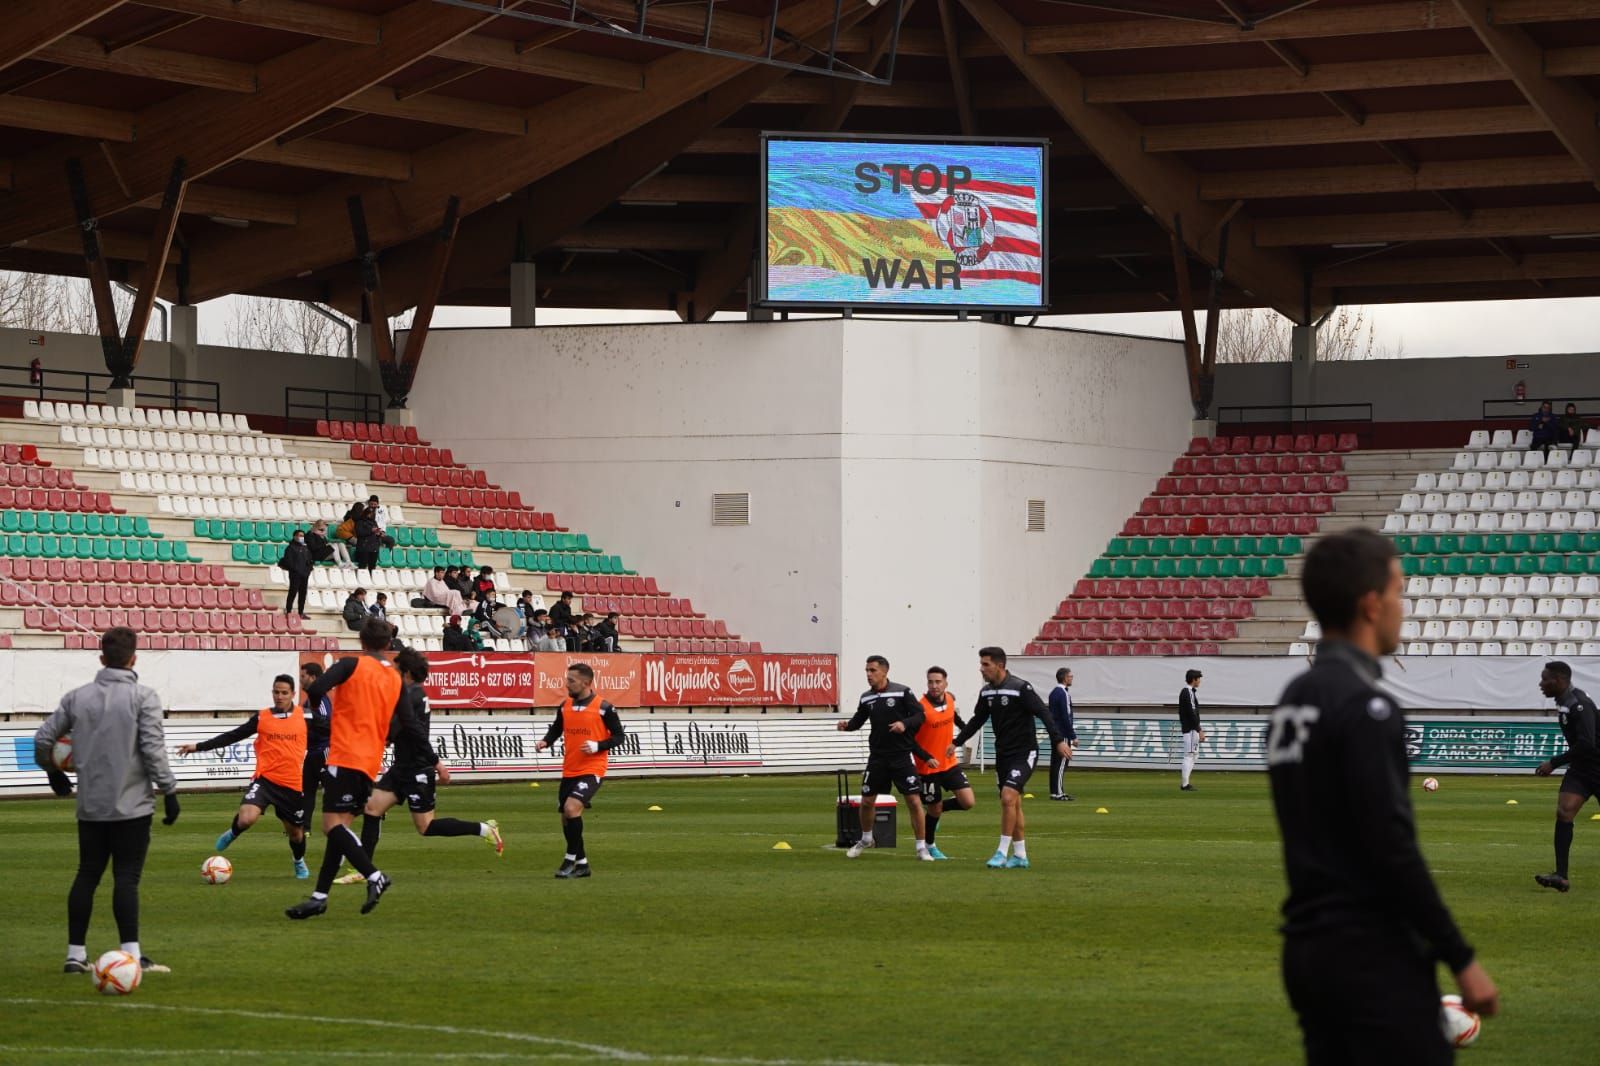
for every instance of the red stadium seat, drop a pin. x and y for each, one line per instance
(1347, 443)
(1303, 442)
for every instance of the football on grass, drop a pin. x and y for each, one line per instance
(1460, 1025)
(116, 973)
(216, 870)
(1430, 784)
(61, 753)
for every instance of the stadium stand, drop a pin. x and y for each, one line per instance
(173, 522)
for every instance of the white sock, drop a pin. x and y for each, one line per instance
(1020, 849)
(866, 838)
(922, 845)
(375, 875)
(78, 951)
(569, 857)
(584, 861)
(1005, 845)
(319, 895)
(483, 829)
(132, 948)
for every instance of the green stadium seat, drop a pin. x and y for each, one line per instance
(1410, 565)
(1425, 544)
(386, 557)
(1519, 544)
(9, 521)
(1290, 546)
(238, 552)
(254, 555)
(1405, 544)
(1574, 564)
(1567, 543)
(1544, 543)
(1551, 564)
(1432, 566)
(1449, 544)
(1119, 567)
(117, 549)
(1472, 543)
(28, 521)
(483, 538)
(1495, 544)
(1117, 546)
(1138, 568)
(1206, 566)
(1186, 567)
(1204, 546)
(1505, 565)
(141, 526)
(60, 523)
(1182, 546)
(1591, 543)
(1527, 565)
(48, 547)
(1099, 568)
(1455, 565)
(1478, 565)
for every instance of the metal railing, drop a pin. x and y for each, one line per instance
(87, 386)
(1285, 413)
(333, 405)
(1524, 409)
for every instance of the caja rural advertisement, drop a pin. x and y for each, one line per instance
(911, 223)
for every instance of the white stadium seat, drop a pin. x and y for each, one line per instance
(1491, 647)
(1478, 439)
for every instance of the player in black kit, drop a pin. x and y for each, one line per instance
(895, 714)
(1011, 705)
(1364, 926)
(416, 770)
(1582, 760)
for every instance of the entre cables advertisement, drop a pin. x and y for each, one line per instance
(950, 224)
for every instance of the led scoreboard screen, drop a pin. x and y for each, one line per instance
(914, 224)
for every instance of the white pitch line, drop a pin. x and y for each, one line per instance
(310, 1053)
(620, 1054)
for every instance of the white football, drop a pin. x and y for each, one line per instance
(216, 870)
(1430, 784)
(61, 753)
(116, 973)
(1460, 1025)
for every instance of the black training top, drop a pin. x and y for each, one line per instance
(1010, 705)
(1579, 725)
(895, 703)
(1336, 755)
(409, 731)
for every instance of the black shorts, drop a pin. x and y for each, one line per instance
(1013, 771)
(951, 780)
(884, 772)
(344, 791)
(1579, 784)
(289, 803)
(416, 786)
(311, 777)
(583, 787)
(1364, 995)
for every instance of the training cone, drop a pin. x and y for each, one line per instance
(533, 784)
(652, 807)
(1027, 795)
(1594, 817)
(1102, 810)
(782, 845)
(1511, 803)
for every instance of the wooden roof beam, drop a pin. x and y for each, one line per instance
(1407, 16)
(693, 189)
(479, 168)
(1429, 225)
(34, 24)
(1164, 184)
(73, 120)
(959, 83)
(1283, 80)
(334, 158)
(440, 111)
(1358, 180)
(210, 129)
(144, 61)
(501, 54)
(1568, 109)
(246, 205)
(1387, 126)
(294, 16)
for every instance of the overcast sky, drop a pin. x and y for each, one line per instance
(1501, 327)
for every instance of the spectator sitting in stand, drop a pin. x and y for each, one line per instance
(380, 609)
(1571, 430)
(458, 578)
(561, 613)
(537, 632)
(607, 632)
(355, 610)
(484, 582)
(483, 615)
(323, 548)
(526, 605)
(455, 638)
(1544, 427)
(581, 636)
(438, 591)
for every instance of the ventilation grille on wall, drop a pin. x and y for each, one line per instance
(1035, 516)
(730, 508)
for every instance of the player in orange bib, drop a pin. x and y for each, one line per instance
(940, 720)
(366, 691)
(280, 732)
(588, 728)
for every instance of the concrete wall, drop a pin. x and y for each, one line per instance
(889, 464)
(1421, 390)
(252, 381)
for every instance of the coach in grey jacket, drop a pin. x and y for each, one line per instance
(120, 754)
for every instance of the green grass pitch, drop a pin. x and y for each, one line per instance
(1145, 935)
